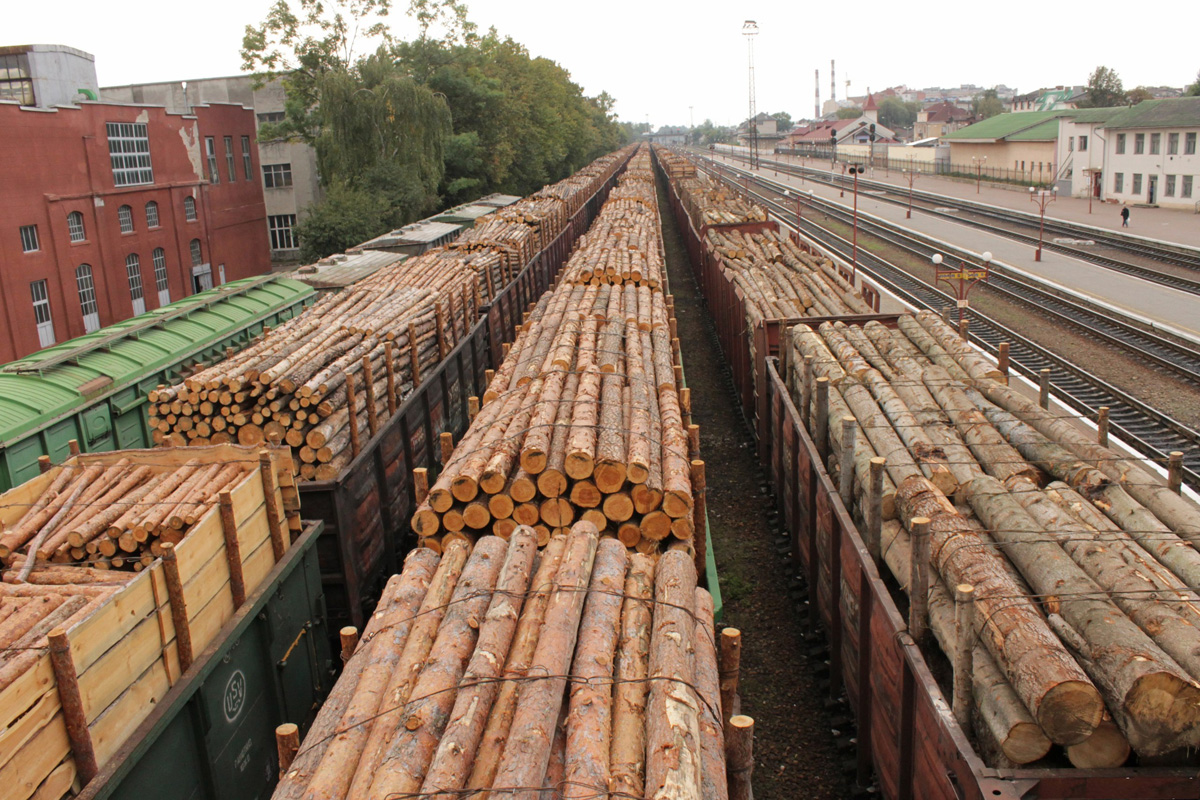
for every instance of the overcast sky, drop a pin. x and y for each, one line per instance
(674, 61)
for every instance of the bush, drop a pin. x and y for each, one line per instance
(346, 217)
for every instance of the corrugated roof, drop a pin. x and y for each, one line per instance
(1183, 112)
(465, 212)
(1003, 126)
(346, 269)
(1094, 114)
(417, 233)
(499, 200)
(32, 395)
(1046, 131)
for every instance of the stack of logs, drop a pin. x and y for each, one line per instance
(675, 165)
(1074, 569)
(709, 202)
(581, 670)
(114, 517)
(585, 419)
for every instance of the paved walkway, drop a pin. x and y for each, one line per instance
(1170, 225)
(1161, 305)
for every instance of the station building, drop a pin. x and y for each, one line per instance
(110, 210)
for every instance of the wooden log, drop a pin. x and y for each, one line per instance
(179, 612)
(627, 759)
(739, 756)
(713, 780)
(71, 702)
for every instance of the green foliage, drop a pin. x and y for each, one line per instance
(707, 133)
(1194, 89)
(895, 113)
(346, 217)
(783, 121)
(853, 112)
(1104, 89)
(987, 104)
(1138, 95)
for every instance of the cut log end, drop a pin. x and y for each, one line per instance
(1070, 712)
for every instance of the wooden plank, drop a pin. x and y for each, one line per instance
(37, 759)
(17, 735)
(58, 783)
(121, 718)
(25, 692)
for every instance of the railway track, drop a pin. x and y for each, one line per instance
(1149, 431)
(947, 207)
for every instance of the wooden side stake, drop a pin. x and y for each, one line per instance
(266, 466)
(678, 374)
(287, 744)
(352, 421)
(1003, 359)
(421, 484)
(488, 374)
(443, 348)
(918, 582)
(806, 393)
(1175, 471)
(73, 446)
(447, 441)
(1102, 426)
(699, 516)
(179, 614)
(414, 354)
(369, 386)
(821, 423)
(393, 402)
(846, 472)
(730, 669)
(875, 510)
(233, 549)
(453, 319)
(71, 701)
(685, 406)
(44, 464)
(739, 757)
(472, 408)
(962, 327)
(349, 639)
(1044, 388)
(693, 441)
(964, 647)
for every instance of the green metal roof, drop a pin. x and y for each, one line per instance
(1094, 114)
(1006, 126)
(1038, 133)
(1183, 112)
(58, 380)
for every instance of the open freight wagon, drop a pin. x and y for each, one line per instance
(907, 735)
(367, 507)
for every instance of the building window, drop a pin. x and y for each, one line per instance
(29, 239)
(160, 276)
(15, 81)
(152, 214)
(1119, 183)
(1172, 144)
(281, 226)
(133, 271)
(1170, 191)
(75, 227)
(189, 209)
(229, 162)
(87, 298)
(41, 313)
(277, 176)
(129, 153)
(1120, 144)
(125, 219)
(272, 117)
(1082, 144)
(1189, 144)
(210, 149)
(1139, 143)
(1137, 183)
(197, 255)
(1070, 144)
(246, 168)
(1186, 189)
(1155, 143)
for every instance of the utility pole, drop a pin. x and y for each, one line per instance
(750, 30)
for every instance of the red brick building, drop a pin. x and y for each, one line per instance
(108, 210)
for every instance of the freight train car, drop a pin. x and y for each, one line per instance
(94, 389)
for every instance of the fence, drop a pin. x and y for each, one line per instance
(1039, 174)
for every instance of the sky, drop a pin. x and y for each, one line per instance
(672, 63)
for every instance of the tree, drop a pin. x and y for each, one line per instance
(1194, 89)
(1104, 89)
(346, 217)
(783, 121)
(853, 112)
(987, 104)
(1138, 95)
(895, 113)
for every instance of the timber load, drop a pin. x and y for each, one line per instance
(676, 166)
(586, 418)
(709, 202)
(87, 649)
(1061, 576)
(497, 669)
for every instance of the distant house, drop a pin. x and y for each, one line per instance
(1151, 156)
(809, 137)
(1056, 99)
(1019, 146)
(669, 135)
(940, 119)
(768, 131)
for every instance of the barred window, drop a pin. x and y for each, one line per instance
(15, 81)
(281, 226)
(1119, 183)
(197, 255)
(152, 214)
(189, 209)
(229, 162)
(133, 271)
(129, 153)
(41, 302)
(160, 269)
(87, 298)
(1170, 192)
(277, 176)
(246, 168)
(210, 149)
(1186, 189)
(29, 239)
(125, 219)
(75, 227)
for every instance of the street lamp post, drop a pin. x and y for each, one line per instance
(962, 280)
(855, 171)
(978, 171)
(1043, 198)
(912, 176)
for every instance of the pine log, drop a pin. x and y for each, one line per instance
(712, 736)
(627, 764)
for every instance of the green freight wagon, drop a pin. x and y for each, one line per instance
(93, 389)
(465, 215)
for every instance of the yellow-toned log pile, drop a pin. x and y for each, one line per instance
(676, 166)
(585, 419)
(780, 280)
(1082, 565)
(709, 202)
(581, 670)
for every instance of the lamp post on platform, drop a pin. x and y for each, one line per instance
(962, 280)
(911, 174)
(978, 171)
(1043, 198)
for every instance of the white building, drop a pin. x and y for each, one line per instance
(1080, 154)
(1151, 154)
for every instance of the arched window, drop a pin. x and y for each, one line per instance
(197, 255)
(152, 214)
(189, 209)
(160, 276)
(125, 218)
(133, 271)
(87, 298)
(75, 227)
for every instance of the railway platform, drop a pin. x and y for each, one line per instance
(1163, 306)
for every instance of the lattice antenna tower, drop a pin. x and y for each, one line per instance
(750, 30)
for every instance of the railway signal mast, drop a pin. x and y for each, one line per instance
(750, 30)
(962, 280)
(1043, 198)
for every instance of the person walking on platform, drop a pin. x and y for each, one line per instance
(1125, 217)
